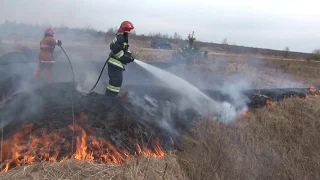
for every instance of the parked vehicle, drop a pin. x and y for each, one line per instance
(160, 44)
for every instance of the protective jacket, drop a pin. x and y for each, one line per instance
(45, 57)
(118, 58)
(120, 55)
(47, 46)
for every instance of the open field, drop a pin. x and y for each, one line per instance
(277, 141)
(270, 68)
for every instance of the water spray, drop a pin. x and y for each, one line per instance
(203, 103)
(225, 110)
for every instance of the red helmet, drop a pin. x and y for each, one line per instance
(126, 26)
(49, 31)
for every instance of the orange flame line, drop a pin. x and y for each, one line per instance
(46, 147)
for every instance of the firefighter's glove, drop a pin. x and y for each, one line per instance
(131, 59)
(129, 54)
(59, 43)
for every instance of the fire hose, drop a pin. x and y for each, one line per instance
(99, 75)
(72, 104)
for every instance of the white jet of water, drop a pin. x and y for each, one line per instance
(200, 101)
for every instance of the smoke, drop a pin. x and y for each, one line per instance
(235, 90)
(20, 101)
(183, 99)
(89, 75)
(218, 75)
(88, 55)
(170, 101)
(270, 73)
(18, 85)
(21, 44)
(156, 111)
(228, 78)
(32, 106)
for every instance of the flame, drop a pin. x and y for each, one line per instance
(27, 146)
(156, 150)
(314, 91)
(81, 145)
(270, 103)
(244, 113)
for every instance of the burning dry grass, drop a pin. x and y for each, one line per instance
(43, 146)
(280, 142)
(137, 168)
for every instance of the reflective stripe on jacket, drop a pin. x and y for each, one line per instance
(47, 46)
(116, 62)
(119, 49)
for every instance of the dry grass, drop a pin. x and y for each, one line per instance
(149, 55)
(300, 70)
(282, 142)
(263, 73)
(136, 169)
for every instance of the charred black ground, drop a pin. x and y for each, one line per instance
(48, 105)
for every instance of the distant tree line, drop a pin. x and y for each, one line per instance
(26, 30)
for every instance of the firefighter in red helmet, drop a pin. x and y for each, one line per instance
(45, 57)
(119, 56)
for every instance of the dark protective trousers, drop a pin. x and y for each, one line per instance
(115, 80)
(44, 66)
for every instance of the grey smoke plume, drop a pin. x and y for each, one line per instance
(193, 96)
(20, 100)
(88, 60)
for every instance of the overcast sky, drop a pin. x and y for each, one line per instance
(271, 24)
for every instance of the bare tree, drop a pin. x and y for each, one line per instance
(286, 52)
(316, 54)
(225, 41)
(177, 36)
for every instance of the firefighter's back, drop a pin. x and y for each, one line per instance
(47, 46)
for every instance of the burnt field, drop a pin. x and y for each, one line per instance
(147, 120)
